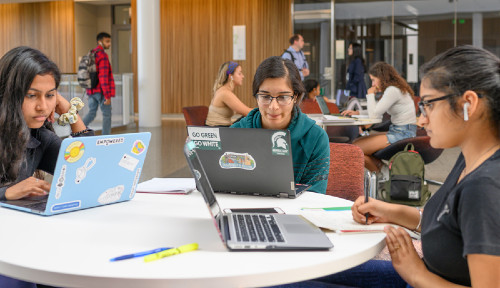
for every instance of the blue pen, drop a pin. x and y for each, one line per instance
(139, 254)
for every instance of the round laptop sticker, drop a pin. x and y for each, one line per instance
(74, 151)
(138, 147)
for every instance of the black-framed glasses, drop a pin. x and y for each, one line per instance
(266, 99)
(426, 104)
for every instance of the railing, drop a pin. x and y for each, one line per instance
(122, 111)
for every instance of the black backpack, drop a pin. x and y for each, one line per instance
(291, 55)
(87, 72)
(406, 184)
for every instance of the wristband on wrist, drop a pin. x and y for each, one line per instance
(79, 133)
(71, 116)
(419, 220)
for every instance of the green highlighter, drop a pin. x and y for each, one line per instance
(341, 208)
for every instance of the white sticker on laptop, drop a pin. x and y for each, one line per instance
(233, 160)
(205, 138)
(280, 145)
(128, 162)
(111, 195)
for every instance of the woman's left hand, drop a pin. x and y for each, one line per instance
(405, 258)
(372, 90)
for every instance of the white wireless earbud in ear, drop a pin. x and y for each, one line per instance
(231, 77)
(466, 111)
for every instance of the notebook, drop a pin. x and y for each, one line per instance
(91, 171)
(255, 231)
(246, 160)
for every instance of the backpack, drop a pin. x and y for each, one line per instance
(291, 55)
(406, 184)
(87, 72)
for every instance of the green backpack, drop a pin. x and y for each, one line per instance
(406, 184)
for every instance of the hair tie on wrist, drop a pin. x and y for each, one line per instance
(71, 116)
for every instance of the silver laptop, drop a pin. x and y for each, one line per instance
(91, 171)
(255, 231)
(247, 161)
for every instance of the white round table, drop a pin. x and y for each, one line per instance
(73, 249)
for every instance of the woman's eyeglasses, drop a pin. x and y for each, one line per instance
(426, 105)
(266, 99)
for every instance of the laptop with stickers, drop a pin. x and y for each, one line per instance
(91, 171)
(246, 160)
(255, 231)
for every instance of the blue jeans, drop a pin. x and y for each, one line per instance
(96, 100)
(373, 274)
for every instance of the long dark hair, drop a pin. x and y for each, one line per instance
(357, 52)
(277, 67)
(465, 68)
(389, 77)
(18, 68)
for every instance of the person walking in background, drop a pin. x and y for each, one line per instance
(356, 72)
(294, 53)
(225, 102)
(101, 95)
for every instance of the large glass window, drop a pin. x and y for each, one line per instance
(405, 34)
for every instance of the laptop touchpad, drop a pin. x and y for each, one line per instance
(298, 228)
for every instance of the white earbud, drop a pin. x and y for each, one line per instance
(231, 77)
(466, 111)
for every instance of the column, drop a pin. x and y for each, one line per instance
(477, 29)
(148, 63)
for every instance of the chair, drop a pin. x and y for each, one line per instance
(347, 168)
(195, 115)
(309, 106)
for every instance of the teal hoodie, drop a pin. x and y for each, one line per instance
(310, 148)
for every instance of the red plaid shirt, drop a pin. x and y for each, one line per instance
(106, 81)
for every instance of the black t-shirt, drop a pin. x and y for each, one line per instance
(462, 219)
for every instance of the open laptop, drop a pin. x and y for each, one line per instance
(91, 171)
(246, 160)
(255, 231)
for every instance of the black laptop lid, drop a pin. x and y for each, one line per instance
(246, 160)
(322, 105)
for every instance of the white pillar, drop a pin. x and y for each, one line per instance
(148, 63)
(477, 29)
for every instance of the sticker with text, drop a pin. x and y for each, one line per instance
(232, 160)
(205, 138)
(110, 141)
(280, 145)
(66, 206)
(134, 185)
(128, 162)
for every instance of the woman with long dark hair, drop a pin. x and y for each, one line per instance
(28, 101)
(356, 71)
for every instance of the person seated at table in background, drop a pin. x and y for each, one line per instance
(313, 89)
(225, 103)
(397, 101)
(278, 90)
(460, 224)
(28, 100)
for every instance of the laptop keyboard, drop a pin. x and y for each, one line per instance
(40, 206)
(257, 228)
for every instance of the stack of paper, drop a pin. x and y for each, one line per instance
(337, 119)
(167, 186)
(342, 222)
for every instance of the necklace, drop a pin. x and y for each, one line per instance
(464, 172)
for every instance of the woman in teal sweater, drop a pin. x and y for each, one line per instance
(278, 79)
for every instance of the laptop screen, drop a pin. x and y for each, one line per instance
(201, 179)
(322, 105)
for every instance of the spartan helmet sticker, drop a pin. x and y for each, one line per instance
(280, 146)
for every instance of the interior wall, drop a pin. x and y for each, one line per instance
(197, 37)
(90, 20)
(47, 26)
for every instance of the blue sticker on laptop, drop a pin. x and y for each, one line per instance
(280, 146)
(233, 160)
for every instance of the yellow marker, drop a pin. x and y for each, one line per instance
(171, 252)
